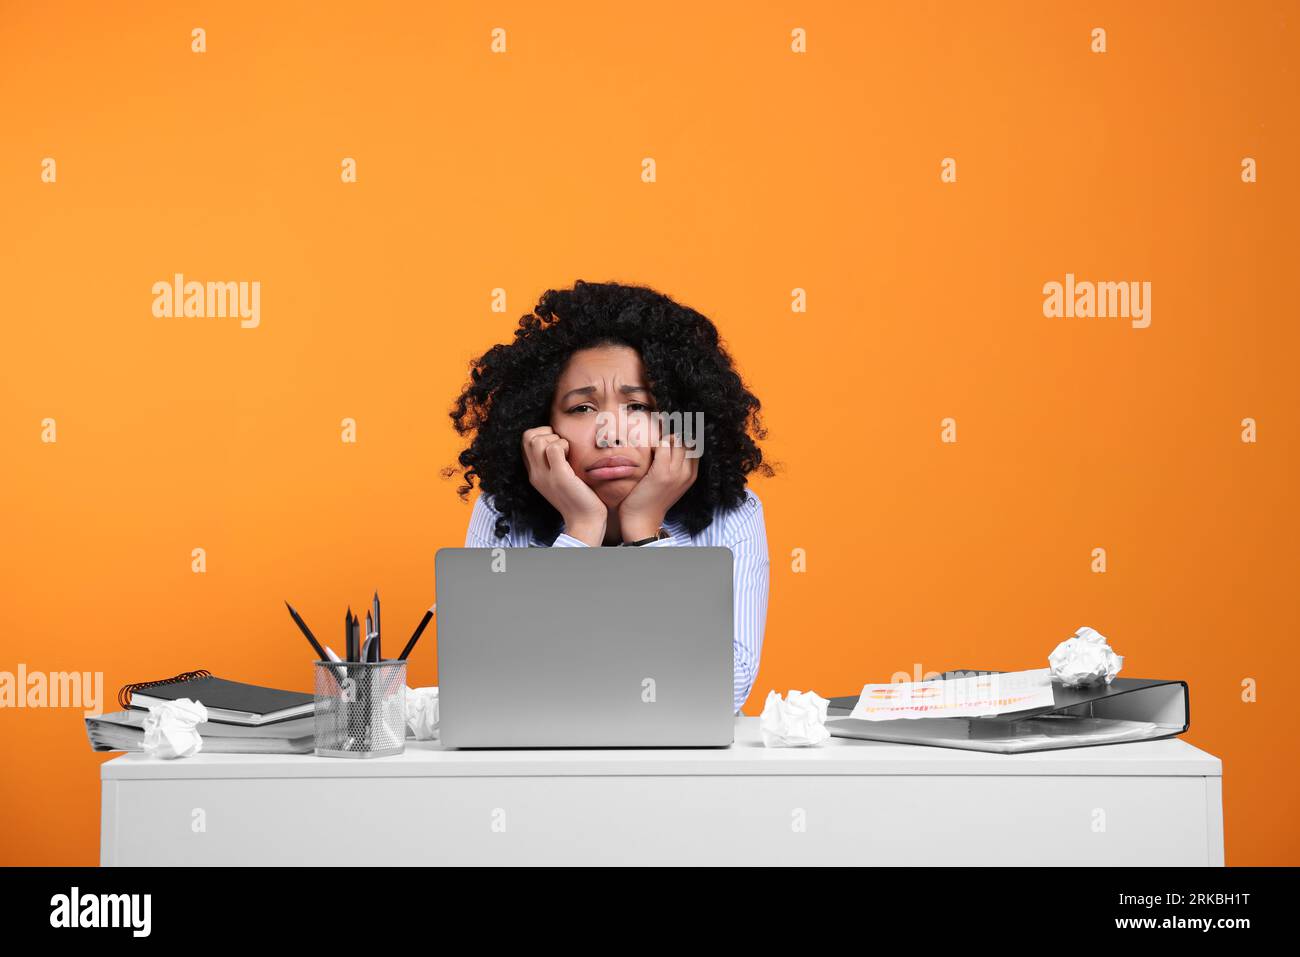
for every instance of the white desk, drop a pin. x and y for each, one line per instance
(847, 802)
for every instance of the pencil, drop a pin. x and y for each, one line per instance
(418, 632)
(302, 625)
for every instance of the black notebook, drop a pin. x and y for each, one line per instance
(1127, 709)
(230, 702)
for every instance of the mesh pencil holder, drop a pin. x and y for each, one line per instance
(360, 708)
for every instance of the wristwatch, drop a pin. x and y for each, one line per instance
(662, 534)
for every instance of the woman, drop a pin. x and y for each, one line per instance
(615, 417)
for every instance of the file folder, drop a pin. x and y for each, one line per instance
(1077, 718)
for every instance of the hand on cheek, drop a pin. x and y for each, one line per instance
(549, 471)
(671, 473)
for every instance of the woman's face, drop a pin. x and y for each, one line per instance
(605, 384)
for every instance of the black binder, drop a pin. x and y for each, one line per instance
(1167, 704)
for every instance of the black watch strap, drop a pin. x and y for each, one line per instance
(646, 541)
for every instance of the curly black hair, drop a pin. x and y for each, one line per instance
(512, 385)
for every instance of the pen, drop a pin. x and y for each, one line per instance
(367, 676)
(378, 654)
(302, 625)
(418, 632)
(350, 626)
(329, 653)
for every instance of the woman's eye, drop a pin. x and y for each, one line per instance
(632, 406)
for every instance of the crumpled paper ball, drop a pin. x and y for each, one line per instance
(1084, 660)
(797, 722)
(422, 712)
(170, 728)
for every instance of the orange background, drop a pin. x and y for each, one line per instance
(775, 171)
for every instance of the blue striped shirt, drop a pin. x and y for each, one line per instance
(740, 529)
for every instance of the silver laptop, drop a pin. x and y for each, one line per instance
(584, 647)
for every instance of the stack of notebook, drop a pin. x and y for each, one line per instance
(242, 718)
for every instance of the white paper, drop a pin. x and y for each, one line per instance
(422, 712)
(170, 729)
(956, 697)
(1085, 659)
(797, 722)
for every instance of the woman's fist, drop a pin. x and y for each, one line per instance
(546, 458)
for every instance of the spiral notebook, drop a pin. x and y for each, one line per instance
(228, 702)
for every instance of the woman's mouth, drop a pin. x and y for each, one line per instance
(612, 467)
